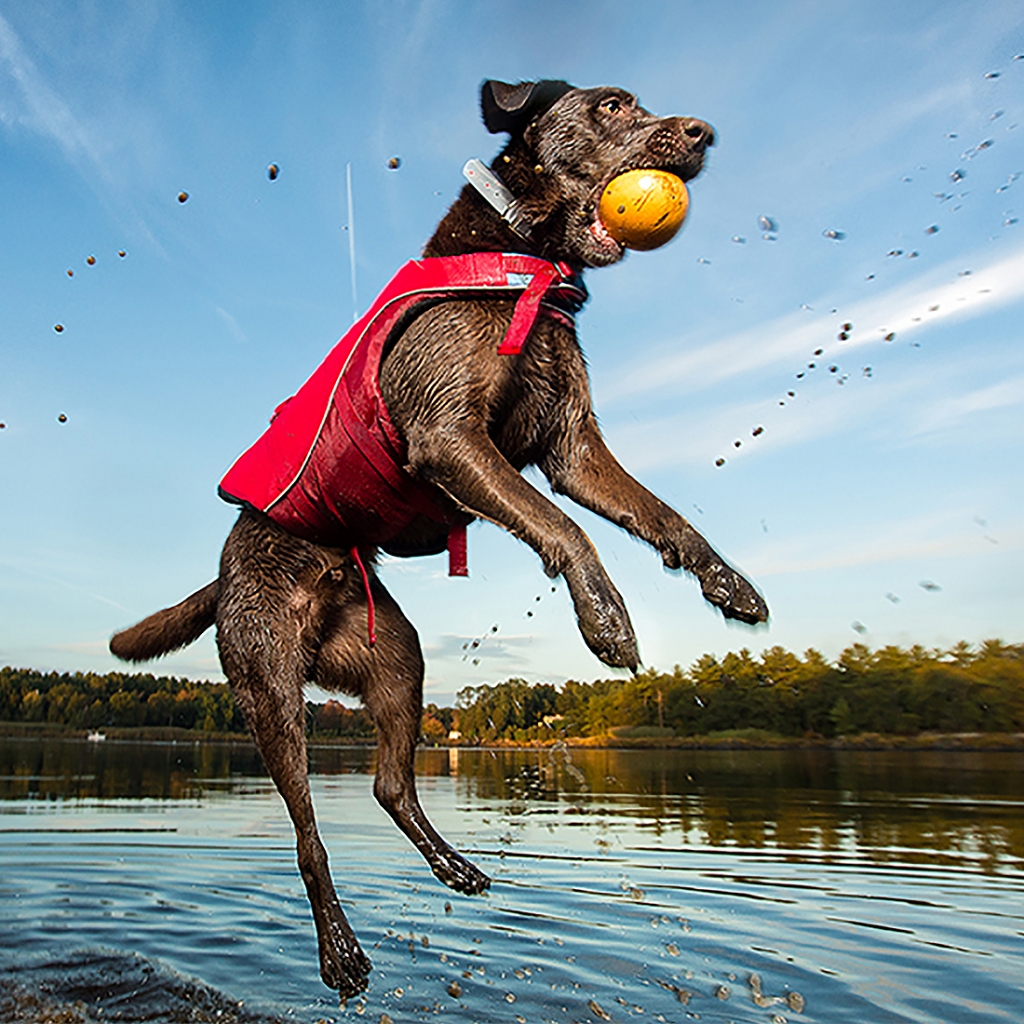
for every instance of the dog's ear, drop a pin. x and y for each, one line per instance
(510, 108)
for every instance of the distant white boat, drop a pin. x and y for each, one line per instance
(96, 737)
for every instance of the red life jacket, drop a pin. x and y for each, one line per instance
(331, 466)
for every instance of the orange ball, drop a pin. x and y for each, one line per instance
(644, 209)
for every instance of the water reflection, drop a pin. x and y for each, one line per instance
(958, 808)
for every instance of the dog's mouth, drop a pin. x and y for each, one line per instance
(604, 241)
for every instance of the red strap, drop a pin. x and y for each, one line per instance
(526, 310)
(458, 564)
(370, 617)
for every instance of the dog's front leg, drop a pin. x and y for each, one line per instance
(464, 461)
(581, 467)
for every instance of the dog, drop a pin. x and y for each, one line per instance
(290, 610)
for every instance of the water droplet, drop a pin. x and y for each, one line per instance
(767, 223)
(893, 598)
(834, 234)
(859, 627)
(739, 239)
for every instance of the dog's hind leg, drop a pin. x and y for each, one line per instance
(389, 677)
(266, 629)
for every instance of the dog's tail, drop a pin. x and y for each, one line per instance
(170, 629)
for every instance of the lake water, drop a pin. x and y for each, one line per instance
(158, 882)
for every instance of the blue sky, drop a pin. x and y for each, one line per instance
(901, 467)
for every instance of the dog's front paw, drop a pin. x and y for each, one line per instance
(344, 966)
(728, 590)
(459, 874)
(603, 619)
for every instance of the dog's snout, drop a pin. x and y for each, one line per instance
(700, 133)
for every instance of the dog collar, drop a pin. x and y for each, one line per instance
(494, 190)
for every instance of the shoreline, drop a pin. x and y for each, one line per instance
(733, 740)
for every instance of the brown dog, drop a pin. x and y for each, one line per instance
(289, 611)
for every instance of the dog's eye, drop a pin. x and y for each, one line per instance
(613, 105)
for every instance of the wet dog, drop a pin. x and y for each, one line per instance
(290, 612)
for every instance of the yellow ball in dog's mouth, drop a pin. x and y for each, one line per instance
(644, 209)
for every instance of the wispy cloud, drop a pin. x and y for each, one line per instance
(907, 310)
(939, 535)
(232, 325)
(28, 101)
(949, 411)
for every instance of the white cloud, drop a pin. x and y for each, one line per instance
(906, 310)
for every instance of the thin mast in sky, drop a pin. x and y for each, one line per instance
(351, 240)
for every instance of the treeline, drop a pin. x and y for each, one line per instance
(888, 691)
(88, 700)
(891, 690)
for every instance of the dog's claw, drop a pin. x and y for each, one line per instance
(729, 591)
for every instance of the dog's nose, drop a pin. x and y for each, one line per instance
(700, 133)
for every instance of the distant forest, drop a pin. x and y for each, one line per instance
(889, 691)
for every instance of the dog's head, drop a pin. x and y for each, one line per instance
(566, 144)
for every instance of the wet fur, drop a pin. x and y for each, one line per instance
(289, 612)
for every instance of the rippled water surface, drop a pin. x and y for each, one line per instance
(158, 882)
